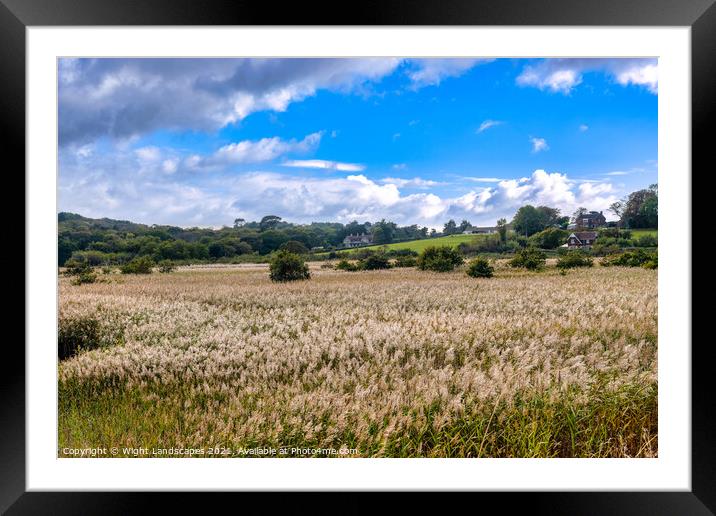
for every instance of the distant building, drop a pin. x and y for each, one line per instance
(590, 220)
(580, 239)
(357, 240)
(479, 231)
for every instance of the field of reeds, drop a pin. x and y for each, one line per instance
(391, 363)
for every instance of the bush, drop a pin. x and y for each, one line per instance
(615, 233)
(85, 277)
(529, 258)
(374, 261)
(439, 259)
(572, 259)
(636, 258)
(345, 265)
(550, 238)
(139, 265)
(480, 268)
(166, 266)
(646, 241)
(405, 261)
(396, 253)
(327, 265)
(287, 266)
(76, 267)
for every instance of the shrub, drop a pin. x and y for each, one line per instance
(646, 241)
(345, 265)
(139, 265)
(76, 267)
(529, 258)
(405, 261)
(636, 258)
(480, 268)
(615, 233)
(374, 262)
(287, 266)
(572, 259)
(85, 277)
(395, 253)
(166, 266)
(439, 259)
(327, 265)
(550, 238)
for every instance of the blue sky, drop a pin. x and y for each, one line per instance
(200, 142)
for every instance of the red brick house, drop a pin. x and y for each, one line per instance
(590, 220)
(580, 239)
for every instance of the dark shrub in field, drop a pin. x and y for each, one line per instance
(166, 266)
(374, 262)
(439, 259)
(77, 334)
(140, 265)
(395, 253)
(345, 265)
(480, 268)
(646, 241)
(550, 238)
(81, 271)
(294, 246)
(615, 233)
(405, 261)
(572, 259)
(286, 266)
(636, 258)
(327, 265)
(529, 258)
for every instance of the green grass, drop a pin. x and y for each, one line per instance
(419, 245)
(636, 233)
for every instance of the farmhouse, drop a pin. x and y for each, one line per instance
(580, 239)
(591, 220)
(357, 240)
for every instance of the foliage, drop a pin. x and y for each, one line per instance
(480, 268)
(294, 246)
(572, 259)
(140, 265)
(550, 238)
(286, 266)
(615, 233)
(640, 209)
(530, 220)
(166, 266)
(635, 258)
(529, 258)
(375, 261)
(439, 259)
(345, 265)
(405, 261)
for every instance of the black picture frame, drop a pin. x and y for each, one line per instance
(700, 15)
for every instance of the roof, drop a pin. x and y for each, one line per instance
(357, 238)
(584, 235)
(591, 215)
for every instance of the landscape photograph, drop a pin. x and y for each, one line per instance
(373, 257)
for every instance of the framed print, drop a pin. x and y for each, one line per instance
(404, 251)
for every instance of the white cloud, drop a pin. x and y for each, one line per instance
(148, 154)
(431, 72)
(170, 166)
(539, 144)
(563, 75)
(323, 164)
(487, 124)
(617, 173)
(265, 149)
(399, 166)
(415, 182)
(484, 179)
(583, 127)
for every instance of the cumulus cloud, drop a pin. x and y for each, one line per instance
(583, 128)
(109, 186)
(123, 98)
(324, 164)
(415, 182)
(563, 75)
(431, 72)
(487, 124)
(539, 144)
(265, 149)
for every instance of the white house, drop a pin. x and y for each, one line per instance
(357, 240)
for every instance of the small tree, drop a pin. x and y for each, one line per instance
(572, 259)
(405, 261)
(166, 266)
(139, 265)
(294, 246)
(375, 261)
(529, 258)
(287, 266)
(480, 268)
(439, 259)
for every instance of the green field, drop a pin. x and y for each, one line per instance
(636, 233)
(419, 245)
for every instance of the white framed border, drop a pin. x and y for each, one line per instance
(670, 471)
